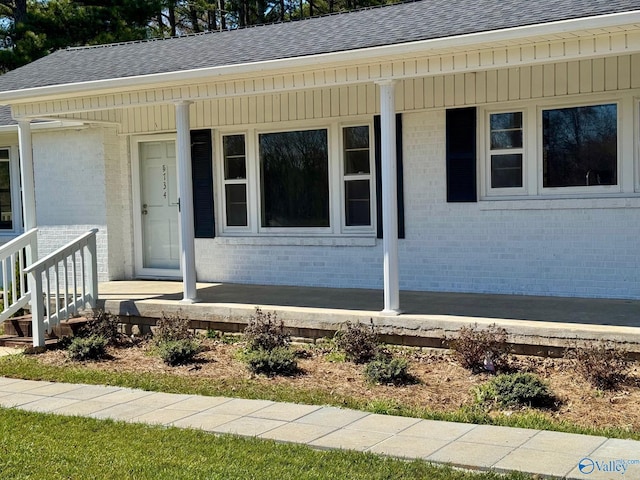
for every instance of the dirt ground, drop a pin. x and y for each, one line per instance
(442, 384)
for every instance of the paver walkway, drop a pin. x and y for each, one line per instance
(553, 454)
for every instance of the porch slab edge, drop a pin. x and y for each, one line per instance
(408, 329)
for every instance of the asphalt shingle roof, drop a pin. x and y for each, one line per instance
(5, 116)
(395, 24)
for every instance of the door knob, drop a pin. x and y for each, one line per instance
(144, 209)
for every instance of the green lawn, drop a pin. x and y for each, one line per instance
(28, 367)
(44, 446)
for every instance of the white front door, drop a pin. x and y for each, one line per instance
(159, 226)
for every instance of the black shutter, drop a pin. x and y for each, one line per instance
(461, 155)
(399, 173)
(202, 176)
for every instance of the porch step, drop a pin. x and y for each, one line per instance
(24, 342)
(21, 327)
(69, 328)
(18, 326)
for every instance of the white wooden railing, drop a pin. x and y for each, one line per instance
(14, 258)
(70, 275)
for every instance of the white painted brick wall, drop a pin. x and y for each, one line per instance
(331, 266)
(118, 205)
(69, 176)
(69, 170)
(535, 247)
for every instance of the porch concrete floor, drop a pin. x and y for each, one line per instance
(538, 324)
(591, 311)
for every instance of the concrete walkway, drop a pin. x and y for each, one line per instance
(549, 454)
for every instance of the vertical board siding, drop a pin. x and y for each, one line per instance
(450, 90)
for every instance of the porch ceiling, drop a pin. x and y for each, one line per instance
(412, 60)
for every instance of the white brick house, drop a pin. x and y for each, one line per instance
(517, 149)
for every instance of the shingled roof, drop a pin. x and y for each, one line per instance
(389, 25)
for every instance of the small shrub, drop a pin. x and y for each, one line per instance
(213, 334)
(264, 332)
(171, 328)
(515, 389)
(388, 371)
(87, 348)
(480, 350)
(360, 343)
(605, 366)
(102, 324)
(31, 350)
(278, 361)
(178, 352)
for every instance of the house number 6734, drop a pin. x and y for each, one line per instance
(164, 181)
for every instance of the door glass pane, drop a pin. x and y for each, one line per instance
(580, 146)
(294, 181)
(357, 202)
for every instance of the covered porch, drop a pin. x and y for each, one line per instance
(536, 324)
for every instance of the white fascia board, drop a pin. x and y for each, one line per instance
(326, 59)
(46, 125)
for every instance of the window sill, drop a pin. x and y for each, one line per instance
(342, 241)
(561, 203)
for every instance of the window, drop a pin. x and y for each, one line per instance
(6, 204)
(357, 176)
(235, 180)
(572, 150)
(580, 146)
(506, 150)
(294, 178)
(318, 180)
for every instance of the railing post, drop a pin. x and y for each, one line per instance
(37, 308)
(92, 270)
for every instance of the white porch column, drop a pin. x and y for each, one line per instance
(185, 203)
(389, 198)
(26, 174)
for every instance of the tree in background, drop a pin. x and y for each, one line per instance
(30, 29)
(37, 28)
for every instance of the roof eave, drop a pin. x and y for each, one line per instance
(347, 56)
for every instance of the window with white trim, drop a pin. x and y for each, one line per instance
(235, 180)
(294, 179)
(6, 199)
(317, 180)
(580, 146)
(573, 150)
(357, 176)
(506, 152)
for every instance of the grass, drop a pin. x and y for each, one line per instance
(36, 445)
(28, 367)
